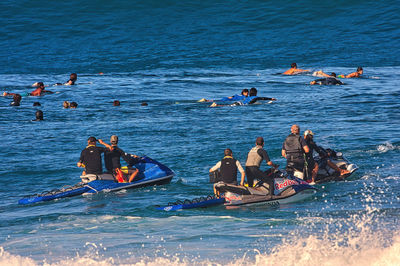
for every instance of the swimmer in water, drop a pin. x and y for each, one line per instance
(116, 103)
(73, 105)
(294, 70)
(16, 100)
(66, 104)
(72, 79)
(356, 74)
(39, 115)
(330, 80)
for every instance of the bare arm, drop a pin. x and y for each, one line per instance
(283, 153)
(240, 168)
(215, 167)
(105, 144)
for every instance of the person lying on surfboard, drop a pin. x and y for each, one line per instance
(253, 98)
(356, 74)
(294, 70)
(236, 97)
(39, 91)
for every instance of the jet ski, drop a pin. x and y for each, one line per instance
(151, 172)
(287, 189)
(326, 173)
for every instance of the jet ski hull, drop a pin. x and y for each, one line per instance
(286, 190)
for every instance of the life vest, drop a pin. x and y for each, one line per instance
(228, 170)
(253, 158)
(294, 151)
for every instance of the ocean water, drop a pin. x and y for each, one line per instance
(171, 54)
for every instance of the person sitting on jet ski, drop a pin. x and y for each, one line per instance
(228, 169)
(113, 163)
(91, 157)
(254, 158)
(248, 100)
(331, 80)
(293, 150)
(312, 166)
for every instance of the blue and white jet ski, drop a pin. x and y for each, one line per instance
(151, 172)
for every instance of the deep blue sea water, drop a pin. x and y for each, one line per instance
(171, 54)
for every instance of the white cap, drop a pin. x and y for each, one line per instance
(308, 132)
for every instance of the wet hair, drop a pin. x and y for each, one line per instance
(253, 92)
(36, 104)
(333, 74)
(73, 77)
(116, 103)
(228, 152)
(293, 65)
(66, 104)
(73, 105)
(359, 68)
(17, 97)
(39, 84)
(92, 140)
(244, 91)
(144, 104)
(39, 115)
(260, 141)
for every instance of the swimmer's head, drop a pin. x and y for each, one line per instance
(39, 115)
(245, 92)
(293, 65)
(333, 74)
(73, 105)
(66, 104)
(17, 98)
(40, 85)
(253, 92)
(36, 104)
(360, 70)
(144, 104)
(313, 82)
(73, 77)
(116, 103)
(228, 152)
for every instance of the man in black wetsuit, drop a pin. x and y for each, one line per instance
(293, 150)
(256, 155)
(91, 157)
(112, 159)
(313, 166)
(331, 80)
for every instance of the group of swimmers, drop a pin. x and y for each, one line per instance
(327, 79)
(297, 150)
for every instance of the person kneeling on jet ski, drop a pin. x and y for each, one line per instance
(256, 155)
(312, 166)
(113, 163)
(228, 169)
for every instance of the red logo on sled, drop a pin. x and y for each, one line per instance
(287, 182)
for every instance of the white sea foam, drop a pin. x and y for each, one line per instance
(385, 147)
